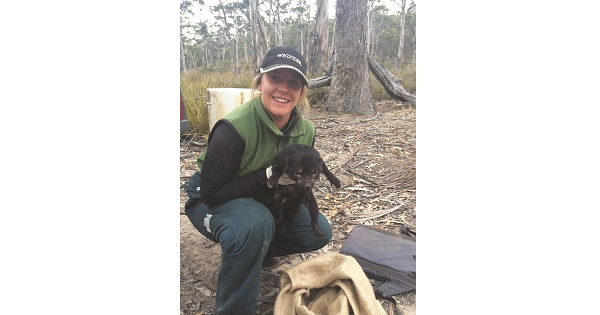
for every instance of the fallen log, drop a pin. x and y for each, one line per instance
(391, 83)
(319, 82)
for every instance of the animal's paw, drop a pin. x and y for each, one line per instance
(336, 182)
(319, 234)
(272, 182)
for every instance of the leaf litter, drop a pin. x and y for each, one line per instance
(374, 158)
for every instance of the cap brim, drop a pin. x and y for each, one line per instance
(275, 67)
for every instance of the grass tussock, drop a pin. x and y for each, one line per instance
(193, 89)
(195, 82)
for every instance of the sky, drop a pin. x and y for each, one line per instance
(394, 7)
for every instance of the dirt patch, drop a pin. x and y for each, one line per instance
(375, 159)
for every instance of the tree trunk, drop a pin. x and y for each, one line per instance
(319, 50)
(401, 45)
(181, 51)
(276, 22)
(236, 70)
(350, 86)
(182, 55)
(245, 49)
(257, 54)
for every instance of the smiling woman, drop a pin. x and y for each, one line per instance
(281, 81)
(228, 195)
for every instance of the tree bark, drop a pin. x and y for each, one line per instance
(257, 55)
(182, 55)
(401, 45)
(181, 51)
(236, 70)
(319, 82)
(320, 48)
(350, 86)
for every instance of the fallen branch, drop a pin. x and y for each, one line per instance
(352, 154)
(267, 299)
(372, 118)
(206, 282)
(391, 83)
(319, 82)
(378, 214)
(333, 213)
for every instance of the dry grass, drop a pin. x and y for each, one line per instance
(195, 82)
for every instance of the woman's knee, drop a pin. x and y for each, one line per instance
(242, 222)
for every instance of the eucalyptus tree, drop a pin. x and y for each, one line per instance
(386, 38)
(410, 34)
(350, 86)
(258, 32)
(184, 12)
(274, 14)
(228, 15)
(298, 26)
(199, 44)
(377, 14)
(402, 22)
(320, 50)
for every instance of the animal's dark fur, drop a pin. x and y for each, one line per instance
(303, 164)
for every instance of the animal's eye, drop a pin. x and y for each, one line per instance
(297, 173)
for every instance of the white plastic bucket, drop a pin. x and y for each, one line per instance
(221, 101)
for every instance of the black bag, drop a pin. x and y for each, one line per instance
(389, 258)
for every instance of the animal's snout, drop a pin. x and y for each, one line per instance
(306, 183)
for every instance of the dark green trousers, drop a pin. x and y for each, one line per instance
(245, 229)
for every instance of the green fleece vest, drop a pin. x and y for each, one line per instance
(262, 139)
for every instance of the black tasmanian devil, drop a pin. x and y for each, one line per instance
(303, 165)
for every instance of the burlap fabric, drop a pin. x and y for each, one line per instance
(327, 284)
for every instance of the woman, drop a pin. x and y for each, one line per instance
(226, 195)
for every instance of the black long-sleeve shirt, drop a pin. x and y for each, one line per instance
(218, 182)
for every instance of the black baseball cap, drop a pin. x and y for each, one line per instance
(284, 57)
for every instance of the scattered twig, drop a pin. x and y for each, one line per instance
(372, 118)
(362, 177)
(206, 282)
(377, 214)
(349, 157)
(268, 299)
(403, 223)
(358, 188)
(333, 213)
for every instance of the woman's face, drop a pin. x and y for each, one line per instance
(280, 91)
